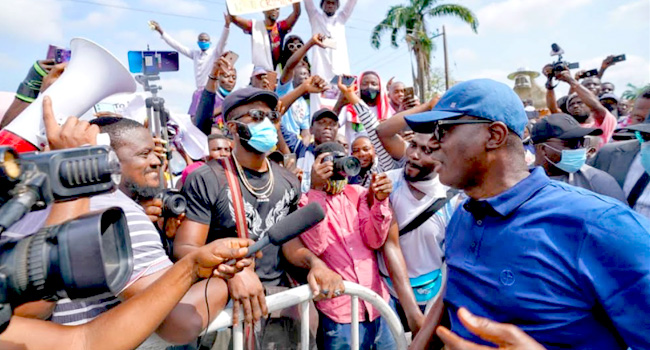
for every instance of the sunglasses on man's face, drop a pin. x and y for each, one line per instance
(442, 126)
(258, 115)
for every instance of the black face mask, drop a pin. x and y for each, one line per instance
(369, 95)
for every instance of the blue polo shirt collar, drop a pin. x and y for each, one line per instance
(508, 201)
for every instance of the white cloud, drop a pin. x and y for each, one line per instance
(514, 16)
(31, 20)
(464, 55)
(179, 7)
(635, 14)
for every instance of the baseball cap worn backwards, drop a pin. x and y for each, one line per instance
(481, 98)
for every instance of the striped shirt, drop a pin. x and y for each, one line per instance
(148, 258)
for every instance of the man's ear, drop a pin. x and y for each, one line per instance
(498, 136)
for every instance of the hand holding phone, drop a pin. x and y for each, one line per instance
(231, 57)
(329, 43)
(347, 80)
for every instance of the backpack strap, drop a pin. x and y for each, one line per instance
(235, 191)
(428, 212)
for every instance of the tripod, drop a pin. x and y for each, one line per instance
(157, 115)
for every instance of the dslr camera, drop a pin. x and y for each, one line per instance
(80, 258)
(344, 166)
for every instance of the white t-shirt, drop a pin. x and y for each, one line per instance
(423, 247)
(635, 172)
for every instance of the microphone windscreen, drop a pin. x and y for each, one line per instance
(296, 223)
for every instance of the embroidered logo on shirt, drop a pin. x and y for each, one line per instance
(507, 277)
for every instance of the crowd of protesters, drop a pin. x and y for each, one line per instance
(534, 227)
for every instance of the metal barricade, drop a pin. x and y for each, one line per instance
(302, 295)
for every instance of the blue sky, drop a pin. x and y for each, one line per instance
(511, 34)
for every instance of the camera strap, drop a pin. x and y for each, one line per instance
(235, 193)
(428, 212)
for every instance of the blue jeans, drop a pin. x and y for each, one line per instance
(373, 335)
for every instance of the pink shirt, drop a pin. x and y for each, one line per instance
(608, 126)
(346, 241)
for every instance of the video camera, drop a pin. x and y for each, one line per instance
(87, 256)
(559, 65)
(174, 202)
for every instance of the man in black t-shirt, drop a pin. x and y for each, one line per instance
(269, 193)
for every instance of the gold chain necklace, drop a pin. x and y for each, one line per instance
(261, 192)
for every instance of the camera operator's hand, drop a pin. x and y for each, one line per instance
(247, 292)
(547, 70)
(156, 27)
(323, 282)
(506, 336)
(73, 133)
(321, 171)
(209, 259)
(565, 76)
(381, 186)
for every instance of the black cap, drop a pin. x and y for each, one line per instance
(246, 95)
(560, 126)
(324, 113)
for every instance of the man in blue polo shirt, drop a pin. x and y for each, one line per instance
(571, 268)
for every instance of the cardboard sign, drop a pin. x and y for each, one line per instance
(242, 7)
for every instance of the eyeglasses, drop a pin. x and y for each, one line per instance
(294, 46)
(443, 126)
(258, 115)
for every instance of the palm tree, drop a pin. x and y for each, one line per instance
(412, 18)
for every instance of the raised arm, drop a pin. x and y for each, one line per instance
(388, 131)
(310, 8)
(346, 11)
(245, 24)
(223, 39)
(591, 100)
(313, 85)
(184, 50)
(293, 17)
(296, 57)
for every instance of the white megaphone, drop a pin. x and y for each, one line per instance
(92, 74)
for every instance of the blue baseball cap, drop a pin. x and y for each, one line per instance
(481, 98)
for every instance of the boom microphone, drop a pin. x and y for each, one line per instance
(290, 227)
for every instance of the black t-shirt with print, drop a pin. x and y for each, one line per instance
(209, 202)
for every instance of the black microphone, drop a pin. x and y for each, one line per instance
(288, 228)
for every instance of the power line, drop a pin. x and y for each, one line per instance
(145, 11)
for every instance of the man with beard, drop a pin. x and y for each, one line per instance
(374, 97)
(583, 105)
(134, 147)
(264, 194)
(267, 36)
(328, 62)
(566, 265)
(422, 206)
(203, 58)
(296, 119)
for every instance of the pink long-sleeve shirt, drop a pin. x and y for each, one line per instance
(346, 241)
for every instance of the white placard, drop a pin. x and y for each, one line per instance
(242, 7)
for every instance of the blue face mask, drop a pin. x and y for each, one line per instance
(204, 45)
(263, 136)
(223, 91)
(572, 159)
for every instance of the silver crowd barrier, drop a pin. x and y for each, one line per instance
(302, 295)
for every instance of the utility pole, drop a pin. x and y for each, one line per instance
(444, 45)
